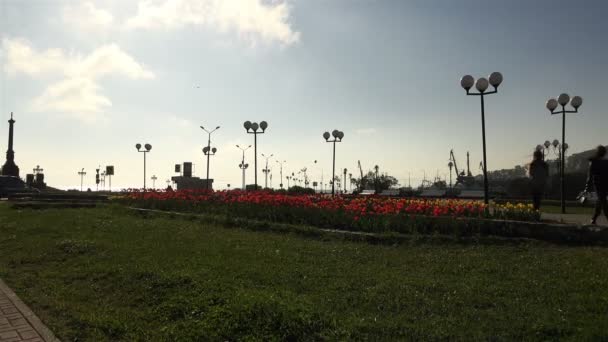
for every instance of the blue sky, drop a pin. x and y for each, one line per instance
(89, 79)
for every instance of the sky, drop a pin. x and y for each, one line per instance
(87, 80)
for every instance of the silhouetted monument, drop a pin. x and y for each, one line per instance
(10, 168)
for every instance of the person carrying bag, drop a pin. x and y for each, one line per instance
(598, 178)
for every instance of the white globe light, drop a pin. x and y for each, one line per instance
(467, 82)
(495, 79)
(148, 147)
(555, 143)
(255, 126)
(565, 146)
(205, 149)
(247, 125)
(214, 150)
(335, 133)
(341, 135)
(551, 104)
(326, 135)
(138, 146)
(576, 102)
(539, 147)
(482, 84)
(547, 143)
(563, 99)
(263, 125)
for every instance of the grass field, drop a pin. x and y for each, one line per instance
(108, 274)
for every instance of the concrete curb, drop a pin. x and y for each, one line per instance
(45, 333)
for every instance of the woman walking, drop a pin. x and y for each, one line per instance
(539, 172)
(598, 178)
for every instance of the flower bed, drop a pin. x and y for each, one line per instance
(372, 214)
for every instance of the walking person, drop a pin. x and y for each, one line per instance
(598, 178)
(539, 173)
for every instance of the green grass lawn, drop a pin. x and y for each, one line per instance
(108, 274)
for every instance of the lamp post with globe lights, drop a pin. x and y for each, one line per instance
(252, 128)
(81, 173)
(281, 164)
(552, 104)
(243, 166)
(266, 170)
(338, 136)
(481, 85)
(147, 148)
(208, 151)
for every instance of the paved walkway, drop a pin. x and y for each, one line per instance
(17, 322)
(577, 219)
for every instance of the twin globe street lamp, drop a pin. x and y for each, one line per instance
(147, 149)
(208, 151)
(243, 166)
(552, 104)
(266, 170)
(338, 136)
(467, 82)
(252, 128)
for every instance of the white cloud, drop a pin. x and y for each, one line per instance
(77, 91)
(85, 16)
(253, 20)
(77, 96)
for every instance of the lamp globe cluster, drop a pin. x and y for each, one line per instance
(467, 82)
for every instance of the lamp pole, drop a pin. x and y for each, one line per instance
(467, 82)
(338, 136)
(154, 178)
(147, 148)
(82, 174)
(208, 151)
(243, 166)
(281, 164)
(563, 100)
(345, 171)
(252, 128)
(266, 170)
(450, 165)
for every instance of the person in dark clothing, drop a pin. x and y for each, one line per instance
(539, 172)
(598, 178)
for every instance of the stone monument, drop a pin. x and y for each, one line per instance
(10, 168)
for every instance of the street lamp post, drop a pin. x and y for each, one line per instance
(154, 178)
(208, 151)
(552, 104)
(82, 174)
(345, 171)
(450, 165)
(243, 166)
(266, 170)
(481, 84)
(147, 147)
(338, 136)
(252, 128)
(281, 164)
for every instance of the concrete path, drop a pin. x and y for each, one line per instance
(17, 322)
(578, 219)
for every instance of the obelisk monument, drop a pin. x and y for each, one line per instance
(10, 168)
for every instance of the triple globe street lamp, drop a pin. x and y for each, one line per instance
(252, 128)
(552, 104)
(467, 82)
(338, 136)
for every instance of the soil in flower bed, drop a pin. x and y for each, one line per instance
(108, 274)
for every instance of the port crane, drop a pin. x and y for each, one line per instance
(463, 178)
